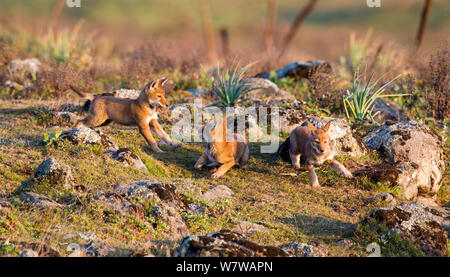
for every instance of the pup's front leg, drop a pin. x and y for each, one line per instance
(201, 161)
(295, 159)
(144, 129)
(312, 176)
(340, 168)
(222, 169)
(162, 134)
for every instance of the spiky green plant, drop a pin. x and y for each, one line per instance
(358, 103)
(230, 86)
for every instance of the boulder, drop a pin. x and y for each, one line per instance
(38, 200)
(427, 226)
(299, 70)
(67, 118)
(29, 253)
(151, 190)
(27, 66)
(384, 111)
(218, 192)
(55, 172)
(86, 135)
(311, 249)
(413, 155)
(127, 158)
(226, 243)
(117, 203)
(268, 92)
(173, 221)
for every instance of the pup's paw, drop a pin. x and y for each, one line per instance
(315, 185)
(158, 150)
(296, 166)
(348, 174)
(216, 175)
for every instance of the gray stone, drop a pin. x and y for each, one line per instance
(298, 70)
(38, 200)
(127, 158)
(173, 221)
(27, 65)
(117, 203)
(86, 135)
(55, 172)
(268, 91)
(226, 243)
(304, 249)
(218, 192)
(415, 153)
(384, 111)
(387, 197)
(427, 226)
(196, 208)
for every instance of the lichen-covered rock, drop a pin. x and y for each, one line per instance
(172, 220)
(126, 93)
(55, 172)
(267, 91)
(218, 192)
(226, 243)
(67, 118)
(117, 203)
(38, 200)
(151, 190)
(291, 118)
(415, 155)
(311, 249)
(419, 223)
(86, 135)
(127, 158)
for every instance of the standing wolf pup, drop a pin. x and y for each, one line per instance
(313, 145)
(221, 151)
(141, 112)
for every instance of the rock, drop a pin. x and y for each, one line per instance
(101, 249)
(247, 227)
(151, 190)
(172, 220)
(387, 197)
(70, 108)
(117, 203)
(196, 208)
(218, 192)
(384, 111)
(298, 70)
(311, 249)
(128, 158)
(267, 91)
(126, 93)
(38, 200)
(196, 92)
(413, 155)
(68, 118)
(420, 223)
(225, 243)
(29, 253)
(291, 118)
(345, 141)
(28, 65)
(55, 172)
(86, 135)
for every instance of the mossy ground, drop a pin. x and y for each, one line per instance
(286, 205)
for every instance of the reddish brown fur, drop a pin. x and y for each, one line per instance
(140, 112)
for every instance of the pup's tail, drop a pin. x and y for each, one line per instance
(82, 93)
(283, 151)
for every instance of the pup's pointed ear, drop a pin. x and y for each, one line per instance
(311, 126)
(162, 81)
(327, 127)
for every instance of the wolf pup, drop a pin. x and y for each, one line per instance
(223, 152)
(141, 112)
(313, 146)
